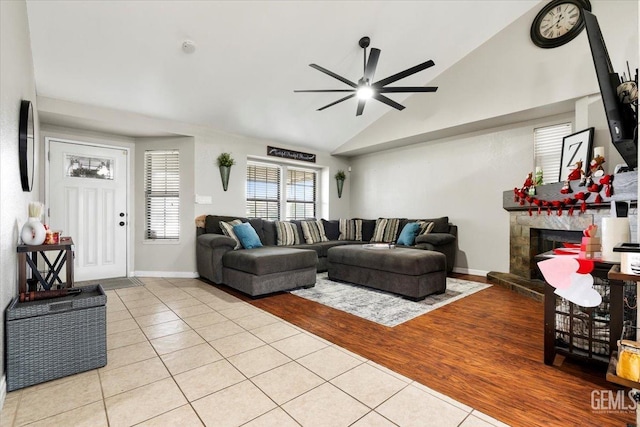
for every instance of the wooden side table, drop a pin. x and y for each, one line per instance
(28, 257)
(616, 285)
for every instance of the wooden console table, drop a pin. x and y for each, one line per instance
(28, 257)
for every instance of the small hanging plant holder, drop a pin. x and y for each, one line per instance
(340, 177)
(225, 161)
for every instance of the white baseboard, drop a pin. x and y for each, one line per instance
(170, 274)
(3, 391)
(470, 271)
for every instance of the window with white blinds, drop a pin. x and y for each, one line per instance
(547, 149)
(263, 191)
(162, 194)
(301, 193)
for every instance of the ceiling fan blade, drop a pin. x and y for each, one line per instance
(334, 75)
(361, 104)
(325, 90)
(407, 89)
(372, 63)
(388, 101)
(403, 74)
(338, 101)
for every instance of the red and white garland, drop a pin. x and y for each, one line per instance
(522, 196)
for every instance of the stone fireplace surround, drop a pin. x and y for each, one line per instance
(524, 228)
(523, 242)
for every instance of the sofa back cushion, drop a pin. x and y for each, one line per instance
(258, 225)
(440, 225)
(227, 230)
(368, 225)
(212, 222)
(386, 230)
(331, 229)
(270, 237)
(350, 229)
(313, 232)
(287, 233)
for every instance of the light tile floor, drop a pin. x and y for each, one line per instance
(181, 352)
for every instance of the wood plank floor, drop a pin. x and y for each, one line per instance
(485, 350)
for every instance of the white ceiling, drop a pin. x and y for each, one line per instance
(249, 57)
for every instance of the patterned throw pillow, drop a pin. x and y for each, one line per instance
(227, 229)
(425, 227)
(386, 230)
(287, 233)
(350, 229)
(313, 231)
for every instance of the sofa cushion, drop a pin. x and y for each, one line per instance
(331, 229)
(408, 234)
(425, 227)
(368, 225)
(350, 229)
(287, 233)
(247, 235)
(258, 225)
(269, 259)
(269, 232)
(386, 230)
(313, 231)
(212, 222)
(440, 225)
(227, 229)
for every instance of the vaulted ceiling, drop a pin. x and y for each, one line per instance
(249, 57)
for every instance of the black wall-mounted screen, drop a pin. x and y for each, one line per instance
(622, 120)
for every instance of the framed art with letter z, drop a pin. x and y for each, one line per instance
(576, 148)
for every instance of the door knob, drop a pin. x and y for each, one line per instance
(121, 223)
(121, 214)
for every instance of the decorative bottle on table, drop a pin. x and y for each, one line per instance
(33, 232)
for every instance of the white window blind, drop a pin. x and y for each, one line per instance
(263, 191)
(547, 149)
(162, 194)
(301, 193)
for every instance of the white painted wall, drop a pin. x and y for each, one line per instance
(16, 83)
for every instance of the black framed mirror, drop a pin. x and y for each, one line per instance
(26, 145)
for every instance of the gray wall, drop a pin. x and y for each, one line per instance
(16, 83)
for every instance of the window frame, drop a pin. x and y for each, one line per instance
(173, 193)
(547, 142)
(283, 195)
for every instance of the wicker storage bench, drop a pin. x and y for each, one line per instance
(53, 338)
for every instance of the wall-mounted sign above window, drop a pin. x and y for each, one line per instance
(290, 154)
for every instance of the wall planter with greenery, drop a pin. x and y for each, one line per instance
(225, 161)
(340, 177)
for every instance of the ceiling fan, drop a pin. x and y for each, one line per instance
(366, 89)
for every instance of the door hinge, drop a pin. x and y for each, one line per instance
(49, 212)
(49, 156)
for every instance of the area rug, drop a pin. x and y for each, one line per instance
(382, 307)
(111, 284)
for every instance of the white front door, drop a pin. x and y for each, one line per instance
(88, 202)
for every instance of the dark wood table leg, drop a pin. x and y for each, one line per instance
(616, 310)
(22, 272)
(69, 262)
(549, 324)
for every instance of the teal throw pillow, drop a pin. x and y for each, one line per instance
(408, 234)
(247, 235)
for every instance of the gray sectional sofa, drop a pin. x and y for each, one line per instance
(273, 268)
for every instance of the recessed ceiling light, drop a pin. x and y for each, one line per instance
(188, 46)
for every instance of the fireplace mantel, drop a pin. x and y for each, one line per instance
(625, 188)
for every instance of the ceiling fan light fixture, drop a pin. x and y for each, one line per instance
(364, 92)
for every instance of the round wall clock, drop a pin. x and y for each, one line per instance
(26, 145)
(558, 22)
